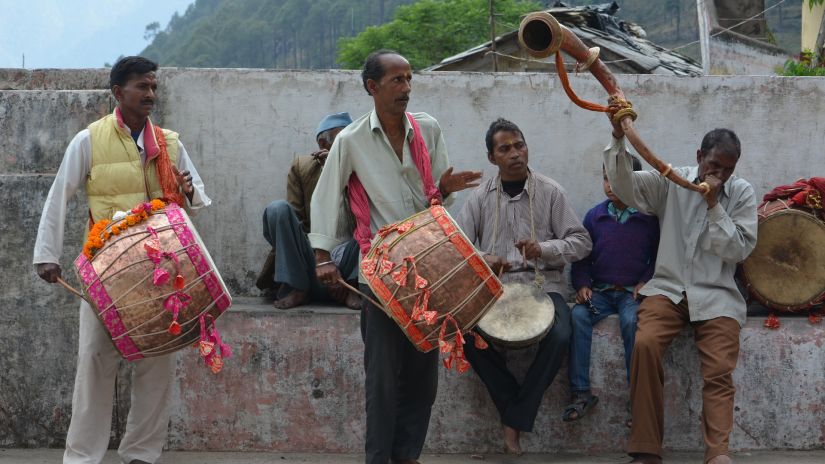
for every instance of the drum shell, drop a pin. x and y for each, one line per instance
(118, 284)
(781, 271)
(461, 283)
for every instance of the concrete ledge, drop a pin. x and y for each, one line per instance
(48, 456)
(295, 385)
(53, 79)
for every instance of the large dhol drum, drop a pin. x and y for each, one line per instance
(153, 284)
(430, 279)
(520, 318)
(786, 270)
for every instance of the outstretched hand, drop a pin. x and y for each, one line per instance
(454, 182)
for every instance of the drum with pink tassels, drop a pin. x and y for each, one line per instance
(154, 285)
(430, 279)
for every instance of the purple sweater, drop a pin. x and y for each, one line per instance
(623, 254)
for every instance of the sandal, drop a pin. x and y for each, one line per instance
(581, 403)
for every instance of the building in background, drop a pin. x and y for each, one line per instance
(735, 38)
(624, 47)
(813, 24)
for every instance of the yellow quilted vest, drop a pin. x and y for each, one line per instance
(117, 180)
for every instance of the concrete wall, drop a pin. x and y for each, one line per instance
(741, 55)
(243, 128)
(284, 392)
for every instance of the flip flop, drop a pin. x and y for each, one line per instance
(582, 402)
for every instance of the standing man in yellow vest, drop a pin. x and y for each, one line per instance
(120, 162)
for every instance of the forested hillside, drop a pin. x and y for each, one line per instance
(263, 33)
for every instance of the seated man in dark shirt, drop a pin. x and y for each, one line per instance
(290, 265)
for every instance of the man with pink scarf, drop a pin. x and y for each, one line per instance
(386, 162)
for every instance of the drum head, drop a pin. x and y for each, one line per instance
(520, 318)
(787, 268)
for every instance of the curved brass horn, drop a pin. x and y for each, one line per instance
(542, 35)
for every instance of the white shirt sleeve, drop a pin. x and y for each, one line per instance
(199, 198)
(74, 168)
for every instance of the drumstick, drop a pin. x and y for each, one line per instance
(70, 288)
(350, 287)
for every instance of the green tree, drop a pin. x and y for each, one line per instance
(430, 30)
(151, 31)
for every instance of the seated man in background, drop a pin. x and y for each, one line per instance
(290, 265)
(608, 282)
(525, 225)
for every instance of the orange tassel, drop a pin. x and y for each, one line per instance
(772, 322)
(174, 328)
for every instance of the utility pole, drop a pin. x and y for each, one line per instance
(493, 36)
(704, 35)
(24, 61)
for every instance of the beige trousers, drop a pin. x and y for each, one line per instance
(90, 427)
(717, 341)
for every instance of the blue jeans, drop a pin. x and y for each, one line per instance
(606, 303)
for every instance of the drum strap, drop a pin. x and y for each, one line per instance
(531, 185)
(359, 200)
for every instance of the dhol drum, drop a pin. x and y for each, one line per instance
(430, 279)
(154, 285)
(785, 271)
(520, 318)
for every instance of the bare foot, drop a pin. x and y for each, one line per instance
(645, 458)
(511, 441)
(353, 300)
(292, 299)
(721, 459)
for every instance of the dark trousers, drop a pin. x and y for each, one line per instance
(518, 404)
(294, 257)
(401, 384)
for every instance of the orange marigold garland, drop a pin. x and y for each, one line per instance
(100, 231)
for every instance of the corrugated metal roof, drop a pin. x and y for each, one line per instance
(597, 25)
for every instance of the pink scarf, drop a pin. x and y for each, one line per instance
(359, 201)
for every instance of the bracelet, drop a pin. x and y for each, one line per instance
(324, 263)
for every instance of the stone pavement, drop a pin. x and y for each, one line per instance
(44, 456)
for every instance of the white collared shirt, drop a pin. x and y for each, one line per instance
(699, 247)
(71, 177)
(394, 187)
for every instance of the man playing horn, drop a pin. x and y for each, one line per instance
(703, 237)
(525, 224)
(120, 162)
(386, 162)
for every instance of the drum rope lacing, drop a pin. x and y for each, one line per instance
(531, 185)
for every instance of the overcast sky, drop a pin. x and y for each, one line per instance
(77, 34)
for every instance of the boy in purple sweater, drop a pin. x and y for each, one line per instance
(608, 282)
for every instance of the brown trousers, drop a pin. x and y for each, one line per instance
(659, 321)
